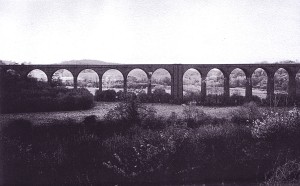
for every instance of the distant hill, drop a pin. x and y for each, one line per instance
(86, 62)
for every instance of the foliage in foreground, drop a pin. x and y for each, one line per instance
(131, 147)
(28, 95)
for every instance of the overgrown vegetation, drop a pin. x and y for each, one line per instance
(29, 95)
(133, 145)
(157, 96)
(160, 96)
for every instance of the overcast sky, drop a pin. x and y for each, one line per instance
(150, 31)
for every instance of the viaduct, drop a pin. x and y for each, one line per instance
(176, 71)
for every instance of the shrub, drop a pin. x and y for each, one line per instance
(122, 96)
(153, 122)
(143, 97)
(236, 99)
(194, 116)
(129, 111)
(277, 125)
(246, 114)
(75, 99)
(160, 96)
(106, 95)
(192, 97)
(28, 95)
(141, 158)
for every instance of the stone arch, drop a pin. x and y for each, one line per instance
(112, 79)
(281, 81)
(137, 81)
(192, 81)
(89, 79)
(259, 79)
(215, 82)
(38, 74)
(161, 79)
(63, 77)
(237, 82)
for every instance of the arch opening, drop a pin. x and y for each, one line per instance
(215, 82)
(113, 79)
(281, 81)
(137, 81)
(259, 81)
(237, 82)
(64, 78)
(88, 79)
(161, 81)
(38, 74)
(191, 85)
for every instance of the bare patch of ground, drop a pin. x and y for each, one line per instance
(101, 108)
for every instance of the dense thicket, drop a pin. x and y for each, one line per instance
(133, 145)
(29, 95)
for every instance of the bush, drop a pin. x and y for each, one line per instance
(160, 96)
(194, 117)
(75, 99)
(246, 114)
(142, 158)
(275, 125)
(105, 95)
(192, 97)
(236, 100)
(143, 97)
(153, 122)
(130, 111)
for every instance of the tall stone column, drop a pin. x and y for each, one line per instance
(49, 78)
(270, 86)
(100, 81)
(248, 88)
(75, 81)
(180, 83)
(292, 86)
(149, 83)
(226, 87)
(173, 87)
(203, 87)
(125, 84)
(100, 85)
(177, 83)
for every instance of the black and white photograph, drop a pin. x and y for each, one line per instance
(150, 92)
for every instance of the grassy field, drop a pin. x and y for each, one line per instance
(101, 108)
